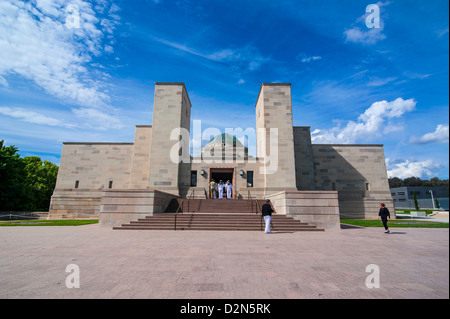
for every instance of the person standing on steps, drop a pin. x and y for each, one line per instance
(213, 189)
(266, 211)
(385, 216)
(221, 186)
(229, 188)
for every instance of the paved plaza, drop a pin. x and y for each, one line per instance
(412, 263)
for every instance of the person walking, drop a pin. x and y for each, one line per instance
(266, 211)
(385, 216)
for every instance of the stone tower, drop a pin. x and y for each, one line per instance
(275, 142)
(171, 117)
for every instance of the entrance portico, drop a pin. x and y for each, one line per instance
(222, 174)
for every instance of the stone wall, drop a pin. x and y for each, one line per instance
(140, 160)
(94, 165)
(75, 203)
(274, 111)
(171, 110)
(304, 168)
(358, 173)
(122, 206)
(320, 208)
(85, 170)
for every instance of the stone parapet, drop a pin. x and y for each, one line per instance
(71, 203)
(364, 204)
(319, 208)
(123, 205)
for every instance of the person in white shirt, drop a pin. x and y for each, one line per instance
(266, 212)
(229, 188)
(221, 187)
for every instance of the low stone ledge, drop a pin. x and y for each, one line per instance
(314, 207)
(122, 206)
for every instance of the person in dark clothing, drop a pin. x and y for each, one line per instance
(385, 216)
(266, 211)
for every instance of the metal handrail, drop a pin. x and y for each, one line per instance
(249, 196)
(176, 213)
(261, 219)
(189, 198)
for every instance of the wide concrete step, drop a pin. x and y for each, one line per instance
(220, 223)
(216, 214)
(212, 217)
(197, 221)
(213, 205)
(231, 219)
(213, 228)
(230, 227)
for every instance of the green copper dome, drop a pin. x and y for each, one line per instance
(226, 138)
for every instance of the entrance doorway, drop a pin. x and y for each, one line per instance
(224, 174)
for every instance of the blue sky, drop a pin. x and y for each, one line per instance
(75, 70)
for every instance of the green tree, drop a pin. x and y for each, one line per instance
(413, 181)
(25, 183)
(395, 182)
(40, 181)
(438, 206)
(416, 204)
(435, 182)
(13, 188)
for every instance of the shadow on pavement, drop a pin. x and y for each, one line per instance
(346, 226)
(281, 232)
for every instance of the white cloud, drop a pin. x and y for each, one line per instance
(82, 118)
(97, 119)
(381, 82)
(440, 135)
(369, 36)
(306, 59)
(413, 75)
(311, 58)
(37, 44)
(247, 58)
(374, 122)
(442, 32)
(366, 35)
(410, 168)
(33, 117)
(49, 7)
(3, 81)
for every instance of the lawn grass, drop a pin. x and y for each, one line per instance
(42, 222)
(394, 223)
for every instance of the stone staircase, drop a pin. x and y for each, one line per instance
(209, 214)
(240, 206)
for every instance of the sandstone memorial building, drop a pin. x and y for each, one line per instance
(315, 183)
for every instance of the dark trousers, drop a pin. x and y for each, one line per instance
(385, 220)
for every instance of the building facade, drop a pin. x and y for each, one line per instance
(426, 196)
(317, 183)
